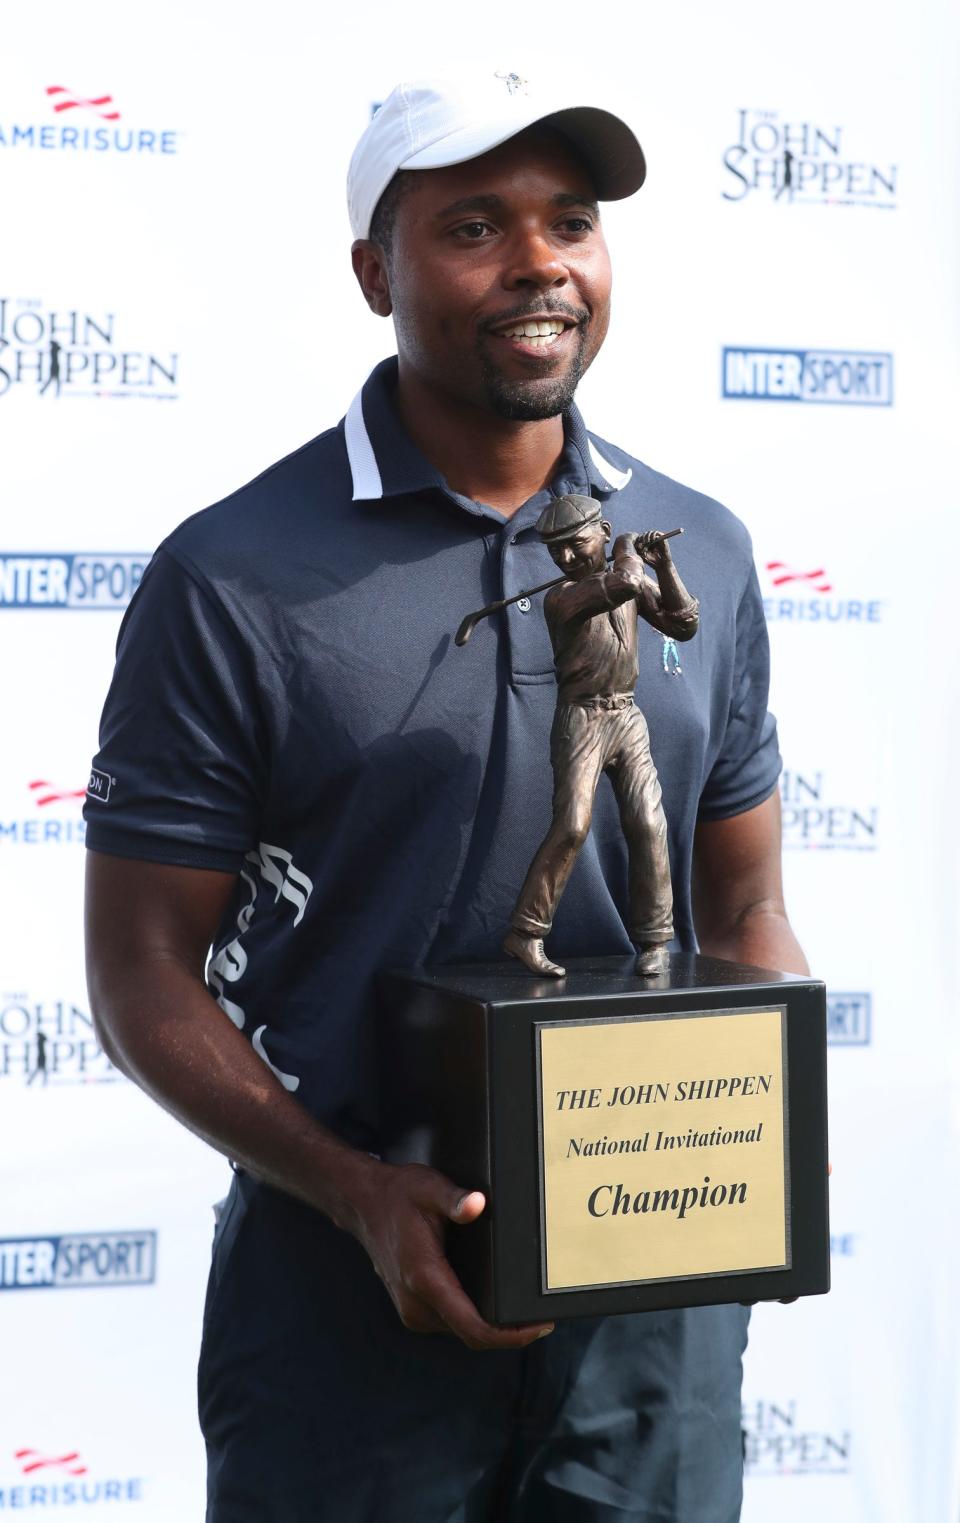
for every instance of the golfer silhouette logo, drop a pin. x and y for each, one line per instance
(53, 378)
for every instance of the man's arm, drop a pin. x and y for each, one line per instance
(149, 928)
(738, 907)
(738, 904)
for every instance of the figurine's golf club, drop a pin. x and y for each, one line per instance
(473, 619)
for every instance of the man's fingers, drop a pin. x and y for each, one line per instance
(443, 1293)
(425, 1290)
(468, 1207)
(434, 1192)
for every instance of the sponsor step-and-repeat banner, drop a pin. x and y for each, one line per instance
(176, 232)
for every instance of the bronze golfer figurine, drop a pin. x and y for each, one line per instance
(592, 617)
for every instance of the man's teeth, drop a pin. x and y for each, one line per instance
(539, 334)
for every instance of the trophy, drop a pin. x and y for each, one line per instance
(650, 1131)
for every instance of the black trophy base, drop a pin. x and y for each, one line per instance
(468, 1088)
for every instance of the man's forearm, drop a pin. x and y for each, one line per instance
(761, 936)
(180, 1047)
(738, 908)
(177, 1045)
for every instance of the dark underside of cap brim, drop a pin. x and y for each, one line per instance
(607, 146)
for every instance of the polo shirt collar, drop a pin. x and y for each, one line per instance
(384, 461)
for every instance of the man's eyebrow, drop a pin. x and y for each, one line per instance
(570, 198)
(488, 202)
(477, 203)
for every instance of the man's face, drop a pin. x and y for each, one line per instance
(499, 278)
(584, 553)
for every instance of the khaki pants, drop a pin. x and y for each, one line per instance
(606, 735)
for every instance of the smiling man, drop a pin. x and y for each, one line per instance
(308, 776)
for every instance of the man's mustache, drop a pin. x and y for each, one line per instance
(545, 307)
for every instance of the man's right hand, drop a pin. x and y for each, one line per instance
(149, 927)
(400, 1218)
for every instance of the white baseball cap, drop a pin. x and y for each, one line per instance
(432, 123)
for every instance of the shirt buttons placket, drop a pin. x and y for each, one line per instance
(526, 564)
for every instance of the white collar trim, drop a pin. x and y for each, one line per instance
(367, 484)
(614, 478)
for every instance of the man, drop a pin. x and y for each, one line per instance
(592, 619)
(309, 776)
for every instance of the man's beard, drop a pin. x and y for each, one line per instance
(531, 400)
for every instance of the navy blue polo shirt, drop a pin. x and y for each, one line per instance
(288, 705)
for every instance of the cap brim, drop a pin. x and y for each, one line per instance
(606, 144)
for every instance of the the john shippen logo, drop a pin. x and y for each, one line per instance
(67, 353)
(804, 163)
(49, 1042)
(817, 817)
(780, 1439)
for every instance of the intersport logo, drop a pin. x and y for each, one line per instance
(60, 119)
(78, 1261)
(83, 581)
(849, 1018)
(823, 377)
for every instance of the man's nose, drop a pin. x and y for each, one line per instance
(534, 260)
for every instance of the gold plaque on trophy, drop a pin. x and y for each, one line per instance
(664, 1147)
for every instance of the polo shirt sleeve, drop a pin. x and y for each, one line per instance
(748, 762)
(180, 774)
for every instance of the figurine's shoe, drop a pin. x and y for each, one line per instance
(529, 950)
(652, 960)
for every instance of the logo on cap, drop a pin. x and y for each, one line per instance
(513, 83)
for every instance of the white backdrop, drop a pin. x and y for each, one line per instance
(173, 217)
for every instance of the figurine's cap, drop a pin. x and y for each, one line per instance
(566, 516)
(432, 123)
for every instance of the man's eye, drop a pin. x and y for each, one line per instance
(577, 225)
(472, 230)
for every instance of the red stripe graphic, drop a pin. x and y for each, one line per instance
(71, 102)
(56, 796)
(790, 574)
(32, 1459)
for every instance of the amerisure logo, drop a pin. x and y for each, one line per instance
(74, 579)
(78, 1261)
(802, 163)
(61, 1478)
(805, 594)
(55, 818)
(839, 377)
(74, 121)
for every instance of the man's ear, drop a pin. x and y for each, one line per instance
(607, 528)
(370, 268)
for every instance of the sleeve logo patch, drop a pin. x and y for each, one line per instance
(99, 786)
